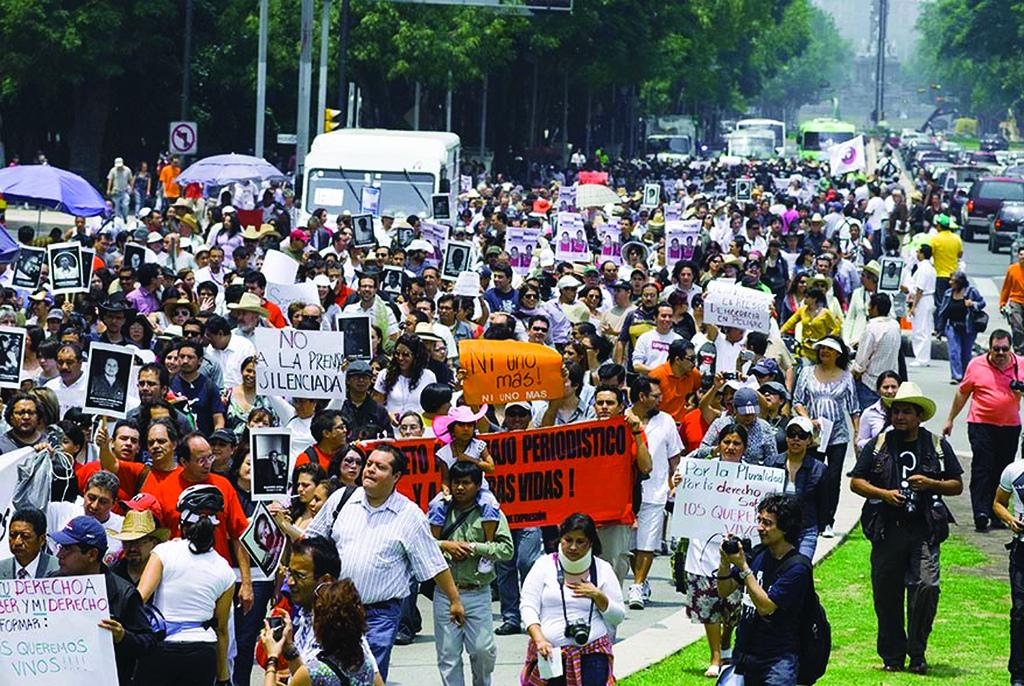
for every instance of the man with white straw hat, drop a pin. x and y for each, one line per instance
(903, 475)
(139, 534)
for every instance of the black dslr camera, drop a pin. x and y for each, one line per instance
(909, 497)
(732, 545)
(1017, 385)
(578, 632)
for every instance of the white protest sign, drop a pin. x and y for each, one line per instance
(730, 304)
(717, 497)
(284, 294)
(50, 633)
(303, 364)
(279, 268)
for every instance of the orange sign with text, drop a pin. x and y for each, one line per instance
(499, 372)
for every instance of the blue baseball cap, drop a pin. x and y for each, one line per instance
(765, 367)
(745, 401)
(84, 530)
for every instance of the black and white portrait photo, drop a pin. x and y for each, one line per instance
(134, 255)
(87, 257)
(107, 375)
(356, 328)
(744, 189)
(892, 273)
(65, 267)
(270, 450)
(391, 281)
(442, 207)
(362, 231)
(456, 259)
(12, 353)
(263, 540)
(28, 267)
(652, 194)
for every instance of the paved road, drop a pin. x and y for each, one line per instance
(656, 632)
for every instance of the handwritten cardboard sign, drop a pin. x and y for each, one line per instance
(730, 304)
(284, 294)
(541, 476)
(50, 635)
(499, 372)
(303, 364)
(717, 497)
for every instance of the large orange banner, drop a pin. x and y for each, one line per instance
(542, 476)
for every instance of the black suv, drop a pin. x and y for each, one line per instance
(1006, 225)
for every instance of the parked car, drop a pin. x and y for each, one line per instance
(984, 200)
(993, 141)
(1006, 226)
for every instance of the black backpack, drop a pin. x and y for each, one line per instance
(815, 631)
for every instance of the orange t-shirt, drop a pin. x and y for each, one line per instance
(128, 474)
(167, 176)
(675, 389)
(233, 521)
(323, 458)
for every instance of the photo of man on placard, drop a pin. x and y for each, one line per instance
(28, 268)
(65, 274)
(362, 231)
(456, 260)
(356, 330)
(270, 449)
(263, 540)
(12, 350)
(392, 281)
(441, 205)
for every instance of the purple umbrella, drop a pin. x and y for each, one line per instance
(221, 170)
(61, 190)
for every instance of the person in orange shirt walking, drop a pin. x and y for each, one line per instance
(170, 189)
(678, 378)
(1011, 301)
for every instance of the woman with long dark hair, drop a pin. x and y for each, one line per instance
(339, 623)
(398, 386)
(955, 318)
(192, 586)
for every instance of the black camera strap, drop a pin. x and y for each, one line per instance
(561, 586)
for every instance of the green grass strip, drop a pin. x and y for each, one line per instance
(969, 644)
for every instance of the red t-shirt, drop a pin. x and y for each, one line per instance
(128, 474)
(692, 429)
(323, 458)
(233, 521)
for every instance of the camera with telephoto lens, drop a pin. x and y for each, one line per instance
(578, 632)
(731, 546)
(1017, 385)
(909, 498)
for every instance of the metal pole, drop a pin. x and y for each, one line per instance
(532, 138)
(565, 119)
(186, 62)
(416, 108)
(325, 34)
(448, 106)
(305, 86)
(261, 80)
(483, 119)
(342, 50)
(883, 30)
(586, 146)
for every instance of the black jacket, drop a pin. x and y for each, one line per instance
(126, 607)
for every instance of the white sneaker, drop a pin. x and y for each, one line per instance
(646, 587)
(635, 597)
(828, 533)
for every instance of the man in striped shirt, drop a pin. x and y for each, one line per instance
(383, 539)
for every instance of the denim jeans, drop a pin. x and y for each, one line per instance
(808, 542)
(593, 671)
(382, 625)
(774, 671)
(527, 548)
(866, 397)
(476, 637)
(960, 345)
(121, 201)
(247, 631)
(1016, 664)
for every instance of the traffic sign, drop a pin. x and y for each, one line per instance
(184, 138)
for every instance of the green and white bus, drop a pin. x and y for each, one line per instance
(821, 134)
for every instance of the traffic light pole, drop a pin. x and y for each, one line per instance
(261, 81)
(305, 86)
(325, 31)
(342, 56)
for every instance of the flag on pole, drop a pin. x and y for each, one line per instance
(847, 156)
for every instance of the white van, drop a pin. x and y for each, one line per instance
(407, 166)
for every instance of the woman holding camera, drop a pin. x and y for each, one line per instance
(703, 604)
(570, 603)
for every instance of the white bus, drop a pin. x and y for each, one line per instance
(407, 166)
(774, 125)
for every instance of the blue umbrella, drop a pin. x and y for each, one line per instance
(46, 186)
(221, 170)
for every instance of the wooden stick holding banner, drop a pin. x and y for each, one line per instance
(500, 372)
(717, 497)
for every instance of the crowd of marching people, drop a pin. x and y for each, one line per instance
(158, 501)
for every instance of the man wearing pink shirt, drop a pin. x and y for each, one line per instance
(993, 422)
